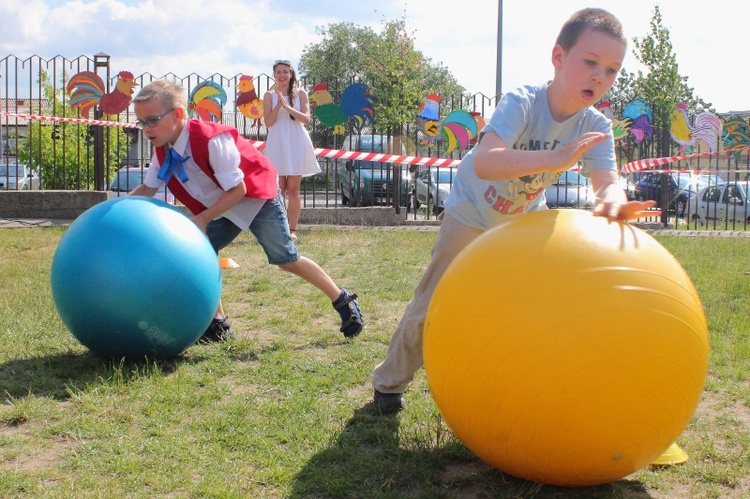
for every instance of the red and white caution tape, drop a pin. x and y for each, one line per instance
(84, 121)
(259, 144)
(376, 157)
(642, 164)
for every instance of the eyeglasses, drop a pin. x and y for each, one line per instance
(151, 122)
(282, 61)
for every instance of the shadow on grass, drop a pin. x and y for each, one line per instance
(370, 458)
(54, 375)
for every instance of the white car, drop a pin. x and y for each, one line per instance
(433, 185)
(721, 202)
(15, 176)
(571, 190)
(127, 179)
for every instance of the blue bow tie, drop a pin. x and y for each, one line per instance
(173, 161)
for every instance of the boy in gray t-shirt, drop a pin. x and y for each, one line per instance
(534, 135)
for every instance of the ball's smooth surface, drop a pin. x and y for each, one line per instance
(565, 349)
(134, 277)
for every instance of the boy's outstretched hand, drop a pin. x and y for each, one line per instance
(630, 210)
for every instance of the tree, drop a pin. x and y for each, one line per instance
(399, 75)
(659, 84)
(61, 152)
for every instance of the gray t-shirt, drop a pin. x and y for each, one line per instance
(523, 120)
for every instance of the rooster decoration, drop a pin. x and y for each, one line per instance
(207, 100)
(356, 103)
(706, 128)
(480, 125)
(247, 100)
(458, 129)
(87, 90)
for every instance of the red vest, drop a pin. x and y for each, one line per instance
(260, 175)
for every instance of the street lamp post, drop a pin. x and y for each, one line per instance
(101, 60)
(499, 74)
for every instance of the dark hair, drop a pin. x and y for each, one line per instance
(292, 81)
(594, 19)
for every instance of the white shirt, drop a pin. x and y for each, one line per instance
(224, 158)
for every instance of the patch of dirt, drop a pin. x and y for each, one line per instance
(49, 455)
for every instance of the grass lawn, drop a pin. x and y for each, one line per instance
(284, 410)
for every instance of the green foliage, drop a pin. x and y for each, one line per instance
(63, 153)
(399, 75)
(660, 83)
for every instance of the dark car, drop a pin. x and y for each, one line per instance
(677, 188)
(369, 183)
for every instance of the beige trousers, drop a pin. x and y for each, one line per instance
(404, 355)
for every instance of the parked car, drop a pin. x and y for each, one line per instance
(368, 183)
(8, 144)
(728, 201)
(571, 190)
(15, 176)
(127, 179)
(681, 188)
(432, 186)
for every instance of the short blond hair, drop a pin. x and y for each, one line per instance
(594, 19)
(167, 93)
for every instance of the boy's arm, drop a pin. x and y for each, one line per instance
(495, 160)
(143, 190)
(611, 201)
(226, 200)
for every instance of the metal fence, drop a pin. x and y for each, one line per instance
(40, 131)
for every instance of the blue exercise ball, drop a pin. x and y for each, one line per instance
(134, 277)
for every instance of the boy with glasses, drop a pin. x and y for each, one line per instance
(229, 187)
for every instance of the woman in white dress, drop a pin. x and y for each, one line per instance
(288, 144)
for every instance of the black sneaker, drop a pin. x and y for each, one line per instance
(218, 330)
(388, 403)
(351, 317)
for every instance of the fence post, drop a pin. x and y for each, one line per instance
(101, 60)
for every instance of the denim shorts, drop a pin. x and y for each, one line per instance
(270, 227)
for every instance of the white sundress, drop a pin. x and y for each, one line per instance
(288, 144)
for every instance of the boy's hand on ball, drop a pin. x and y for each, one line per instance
(622, 212)
(569, 154)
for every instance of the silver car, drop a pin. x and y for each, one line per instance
(571, 190)
(127, 179)
(433, 185)
(15, 176)
(727, 201)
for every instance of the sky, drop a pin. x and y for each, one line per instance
(233, 37)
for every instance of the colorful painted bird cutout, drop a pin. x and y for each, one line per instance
(87, 90)
(428, 119)
(356, 104)
(620, 128)
(207, 100)
(641, 119)
(457, 129)
(247, 100)
(706, 128)
(480, 125)
(736, 136)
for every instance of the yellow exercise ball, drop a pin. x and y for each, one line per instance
(565, 349)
